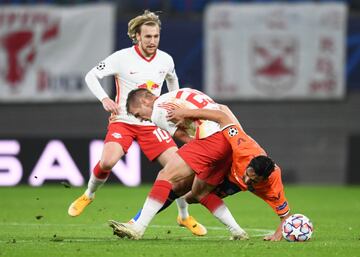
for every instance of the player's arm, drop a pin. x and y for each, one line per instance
(227, 110)
(278, 202)
(104, 68)
(181, 135)
(172, 81)
(178, 115)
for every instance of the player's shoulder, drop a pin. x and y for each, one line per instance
(164, 55)
(117, 55)
(164, 97)
(124, 51)
(275, 176)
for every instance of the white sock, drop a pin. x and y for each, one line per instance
(182, 208)
(93, 185)
(225, 216)
(149, 210)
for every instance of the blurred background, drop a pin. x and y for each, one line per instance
(288, 69)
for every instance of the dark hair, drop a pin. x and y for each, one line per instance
(262, 165)
(134, 96)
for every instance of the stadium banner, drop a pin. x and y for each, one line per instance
(40, 161)
(45, 51)
(275, 51)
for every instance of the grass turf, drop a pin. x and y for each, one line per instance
(34, 222)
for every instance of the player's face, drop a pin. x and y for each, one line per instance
(148, 39)
(143, 111)
(250, 176)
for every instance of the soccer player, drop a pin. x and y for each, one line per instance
(208, 157)
(251, 169)
(140, 66)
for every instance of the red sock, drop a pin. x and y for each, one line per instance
(211, 202)
(99, 173)
(160, 190)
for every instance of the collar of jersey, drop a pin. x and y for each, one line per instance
(141, 55)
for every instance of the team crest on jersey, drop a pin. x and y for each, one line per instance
(101, 66)
(233, 132)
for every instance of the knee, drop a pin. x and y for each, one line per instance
(107, 164)
(164, 174)
(196, 197)
(190, 199)
(197, 194)
(180, 189)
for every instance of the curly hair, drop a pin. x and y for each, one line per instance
(262, 165)
(147, 18)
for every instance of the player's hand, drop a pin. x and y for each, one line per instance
(177, 115)
(274, 237)
(110, 106)
(277, 236)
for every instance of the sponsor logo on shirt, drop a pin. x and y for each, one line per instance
(149, 85)
(116, 135)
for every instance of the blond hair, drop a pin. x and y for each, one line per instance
(147, 18)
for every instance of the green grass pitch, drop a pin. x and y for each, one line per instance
(34, 222)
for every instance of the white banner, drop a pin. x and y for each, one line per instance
(45, 51)
(275, 51)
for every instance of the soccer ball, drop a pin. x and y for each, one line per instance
(297, 228)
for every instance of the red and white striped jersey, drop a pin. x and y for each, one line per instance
(131, 71)
(185, 98)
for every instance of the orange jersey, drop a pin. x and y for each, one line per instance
(244, 150)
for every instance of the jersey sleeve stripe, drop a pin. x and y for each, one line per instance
(117, 83)
(226, 126)
(284, 214)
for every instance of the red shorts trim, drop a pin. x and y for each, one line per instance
(152, 140)
(210, 158)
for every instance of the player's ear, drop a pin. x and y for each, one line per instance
(143, 100)
(138, 37)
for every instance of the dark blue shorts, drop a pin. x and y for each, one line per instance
(226, 188)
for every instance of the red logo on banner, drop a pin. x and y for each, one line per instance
(274, 63)
(23, 35)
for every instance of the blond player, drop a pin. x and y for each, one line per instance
(141, 66)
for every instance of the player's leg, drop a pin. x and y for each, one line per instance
(117, 141)
(192, 156)
(203, 193)
(174, 171)
(184, 219)
(112, 153)
(157, 144)
(179, 189)
(211, 165)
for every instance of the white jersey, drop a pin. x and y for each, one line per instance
(186, 98)
(131, 71)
